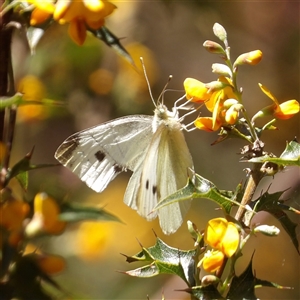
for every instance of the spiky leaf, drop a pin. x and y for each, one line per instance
(273, 205)
(243, 286)
(199, 187)
(165, 260)
(23, 166)
(289, 157)
(112, 41)
(72, 212)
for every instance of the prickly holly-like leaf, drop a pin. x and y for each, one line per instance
(289, 157)
(165, 260)
(23, 166)
(72, 212)
(271, 204)
(243, 286)
(199, 187)
(112, 41)
(204, 293)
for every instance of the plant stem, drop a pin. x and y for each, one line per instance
(254, 178)
(7, 116)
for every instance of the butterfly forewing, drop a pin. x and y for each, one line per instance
(97, 155)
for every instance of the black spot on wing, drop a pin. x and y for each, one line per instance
(147, 184)
(154, 189)
(100, 156)
(117, 168)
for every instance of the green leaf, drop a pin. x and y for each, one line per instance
(243, 286)
(23, 166)
(289, 157)
(199, 187)
(271, 204)
(112, 41)
(23, 180)
(165, 260)
(72, 212)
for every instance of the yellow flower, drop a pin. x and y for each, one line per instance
(43, 11)
(79, 13)
(224, 238)
(212, 261)
(283, 111)
(195, 90)
(13, 213)
(219, 98)
(45, 218)
(222, 235)
(82, 14)
(33, 90)
(207, 124)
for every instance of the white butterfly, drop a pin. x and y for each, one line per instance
(153, 148)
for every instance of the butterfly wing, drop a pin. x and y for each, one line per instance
(141, 192)
(174, 161)
(163, 172)
(98, 154)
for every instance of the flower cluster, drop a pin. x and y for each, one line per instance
(80, 14)
(219, 98)
(223, 98)
(224, 238)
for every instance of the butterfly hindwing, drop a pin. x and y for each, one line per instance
(174, 161)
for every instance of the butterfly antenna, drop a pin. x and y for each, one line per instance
(161, 96)
(147, 80)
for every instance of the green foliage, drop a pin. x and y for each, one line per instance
(289, 157)
(199, 187)
(164, 259)
(276, 207)
(73, 212)
(21, 168)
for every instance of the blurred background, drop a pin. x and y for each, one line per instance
(96, 85)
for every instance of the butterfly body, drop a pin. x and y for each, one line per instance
(152, 147)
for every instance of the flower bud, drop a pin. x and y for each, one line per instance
(267, 230)
(213, 47)
(220, 32)
(209, 279)
(249, 58)
(214, 86)
(194, 232)
(221, 69)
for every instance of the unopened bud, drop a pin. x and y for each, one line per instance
(213, 47)
(214, 86)
(267, 230)
(209, 279)
(221, 69)
(249, 58)
(220, 32)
